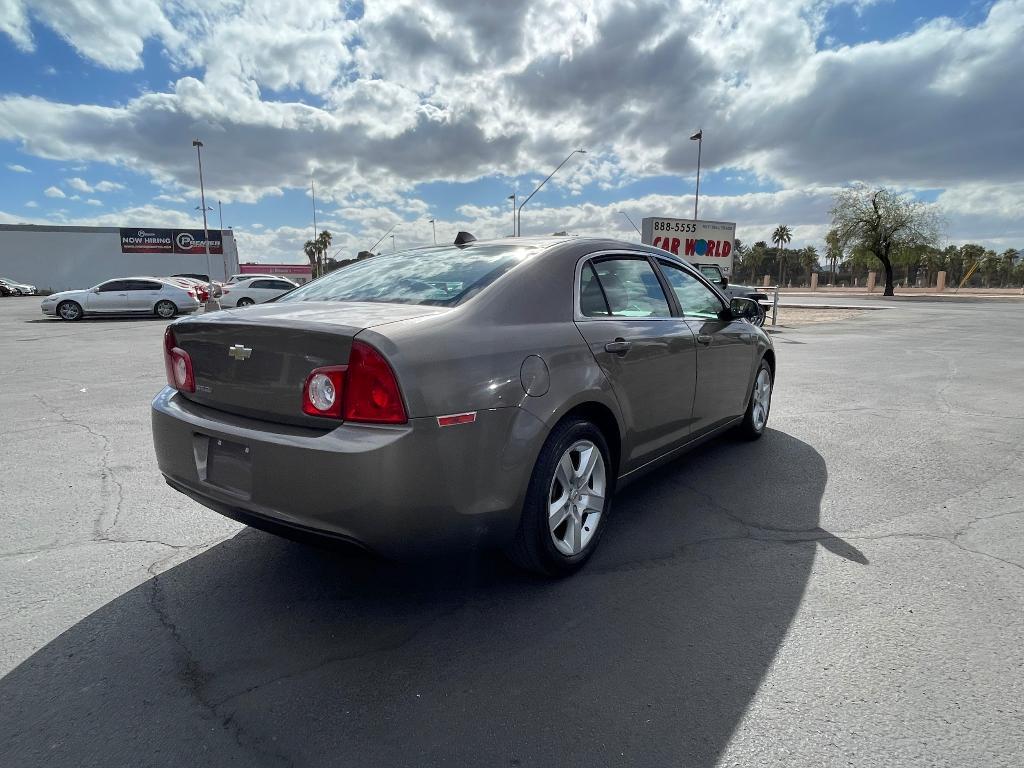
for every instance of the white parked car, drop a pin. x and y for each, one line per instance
(18, 289)
(124, 296)
(254, 290)
(249, 276)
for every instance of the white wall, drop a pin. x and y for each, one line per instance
(59, 258)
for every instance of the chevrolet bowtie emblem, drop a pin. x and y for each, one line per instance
(240, 352)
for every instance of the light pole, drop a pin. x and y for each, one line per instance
(394, 248)
(433, 228)
(210, 301)
(223, 245)
(699, 138)
(312, 192)
(631, 222)
(512, 197)
(519, 217)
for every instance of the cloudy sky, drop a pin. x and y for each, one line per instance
(403, 110)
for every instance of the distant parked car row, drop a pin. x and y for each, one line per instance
(10, 287)
(164, 297)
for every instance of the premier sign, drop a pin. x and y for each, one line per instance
(169, 241)
(702, 242)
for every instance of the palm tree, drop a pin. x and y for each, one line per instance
(316, 252)
(781, 237)
(312, 253)
(833, 252)
(809, 258)
(754, 258)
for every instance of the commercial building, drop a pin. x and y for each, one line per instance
(297, 273)
(59, 258)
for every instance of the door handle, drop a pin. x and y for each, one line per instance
(618, 347)
(705, 339)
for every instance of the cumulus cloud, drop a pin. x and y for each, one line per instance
(18, 168)
(80, 184)
(31, 204)
(54, 192)
(423, 90)
(93, 201)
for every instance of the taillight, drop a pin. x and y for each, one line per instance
(371, 392)
(323, 390)
(177, 364)
(365, 390)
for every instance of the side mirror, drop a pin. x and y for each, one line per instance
(94, 290)
(744, 309)
(725, 282)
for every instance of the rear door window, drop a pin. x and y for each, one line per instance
(630, 287)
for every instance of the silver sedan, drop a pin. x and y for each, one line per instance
(473, 395)
(123, 296)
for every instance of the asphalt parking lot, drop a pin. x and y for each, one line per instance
(847, 591)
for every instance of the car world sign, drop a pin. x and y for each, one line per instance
(169, 241)
(700, 242)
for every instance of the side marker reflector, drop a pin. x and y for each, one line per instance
(456, 418)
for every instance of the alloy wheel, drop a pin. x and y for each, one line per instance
(576, 497)
(762, 399)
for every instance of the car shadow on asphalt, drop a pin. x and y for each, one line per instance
(260, 651)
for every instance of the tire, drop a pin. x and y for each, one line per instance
(564, 548)
(69, 310)
(165, 309)
(244, 302)
(755, 420)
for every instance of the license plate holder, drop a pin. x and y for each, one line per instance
(229, 466)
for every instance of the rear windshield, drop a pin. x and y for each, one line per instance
(437, 276)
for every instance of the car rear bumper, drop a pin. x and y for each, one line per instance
(402, 491)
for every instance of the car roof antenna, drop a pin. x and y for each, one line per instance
(464, 238)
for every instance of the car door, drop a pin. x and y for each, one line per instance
(259, 290)
(725, 349)
(281, 287)
(107, 298)
(647, 352)
(142, 295)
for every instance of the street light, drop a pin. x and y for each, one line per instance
(223, 249)
(433, 228)
(206, 231)
(519, 217)
(699, 138)
(512, 197)
(394, 248)
(631, 222)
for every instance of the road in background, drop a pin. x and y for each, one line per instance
(846, 591)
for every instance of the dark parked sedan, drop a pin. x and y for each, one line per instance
(481, 394)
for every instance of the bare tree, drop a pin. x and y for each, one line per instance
(880, 221)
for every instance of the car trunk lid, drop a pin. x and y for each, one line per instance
(254, 361)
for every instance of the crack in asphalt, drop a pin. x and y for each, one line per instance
(195, 678)
(100, 526)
